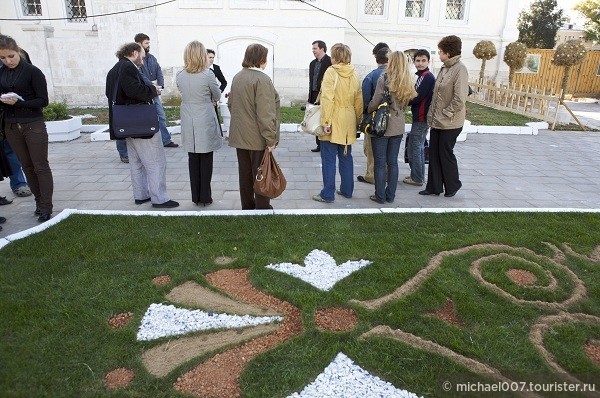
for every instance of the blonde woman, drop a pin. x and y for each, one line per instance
(200, 132)
(398, 80)
(341, 110)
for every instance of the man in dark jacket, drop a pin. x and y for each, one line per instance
(147, 160)
(419, 107)
(316, 71)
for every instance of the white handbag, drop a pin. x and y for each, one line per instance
(312, 117)
(312, 121)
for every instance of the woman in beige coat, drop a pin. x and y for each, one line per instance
(254, 107)
(446, 117)
(397, 79)
(200, 132)
(341, 110)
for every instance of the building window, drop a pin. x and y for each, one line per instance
(374, 7)
(76, 11)
(415, 9)
(455, 9)
(32, 8)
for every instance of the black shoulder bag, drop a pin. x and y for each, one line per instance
(135, 120)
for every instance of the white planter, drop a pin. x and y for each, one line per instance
(64, 130)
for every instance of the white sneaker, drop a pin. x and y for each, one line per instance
(22, 191)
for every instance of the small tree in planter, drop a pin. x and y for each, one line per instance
(514, 57)
(484, 50)
(59, 124)
(56, 111)
(568, 54)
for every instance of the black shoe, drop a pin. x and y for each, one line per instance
(363, 179)
(426, 192)
(44, 217)
(317, 149)
(374, 199)
(37, 212)
(450, 194)
(4, 201)
(171, 145)
(141, 201)
(124, 159)
(2, 220)
(167, 205)
(204, 203)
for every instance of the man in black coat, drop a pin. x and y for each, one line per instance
(147, 160)
(316, 71)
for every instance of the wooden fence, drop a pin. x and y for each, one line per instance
(584, 80)
(531, 102)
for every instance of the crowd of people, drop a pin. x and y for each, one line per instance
(437, 106)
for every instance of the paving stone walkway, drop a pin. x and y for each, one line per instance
(551, 170)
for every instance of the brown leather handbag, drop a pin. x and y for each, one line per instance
(269, 181)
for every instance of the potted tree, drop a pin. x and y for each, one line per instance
(60, 125)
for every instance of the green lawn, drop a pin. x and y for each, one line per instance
(477, 114)
(59, 288)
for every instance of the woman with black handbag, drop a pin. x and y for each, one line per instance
(395, 83)
(24, 94)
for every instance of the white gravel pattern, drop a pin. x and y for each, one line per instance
(342, 378)
(320, 269)
(167, 320)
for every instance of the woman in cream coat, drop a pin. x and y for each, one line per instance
(200, 132)
(341, 110)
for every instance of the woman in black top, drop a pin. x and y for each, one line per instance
(23, 95)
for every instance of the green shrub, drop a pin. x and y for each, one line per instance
(56, 111)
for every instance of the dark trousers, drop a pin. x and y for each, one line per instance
(248, 163)
(201, 169)
(30, 142)
(443, 167)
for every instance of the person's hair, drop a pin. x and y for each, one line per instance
(341, 53)
(321, 44)
(127, 50)
(382, 55)
(399, 78)
(140, 37)
(379, 46)
(422, 53)
(194, 57)
(451, 45)
(256, 55)
(8, 43)
(210, 51)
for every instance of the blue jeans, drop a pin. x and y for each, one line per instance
(329, 152)
(162, 121)
(385, 152)
(416, 154)
(17, 178)
(122, 148)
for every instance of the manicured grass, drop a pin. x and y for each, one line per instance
(59, 288)
(477, 114)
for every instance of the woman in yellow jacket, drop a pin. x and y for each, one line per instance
(341, 110)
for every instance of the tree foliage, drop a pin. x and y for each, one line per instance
(538, 25)
(590, 9)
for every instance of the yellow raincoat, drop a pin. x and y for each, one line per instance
(341, 109)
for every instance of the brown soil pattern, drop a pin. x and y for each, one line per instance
(522, 277)
(447, 313)
(120, 320)
(219, 375)
(592, 351)
(118, 378)
(162, 280)
(336, 319)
